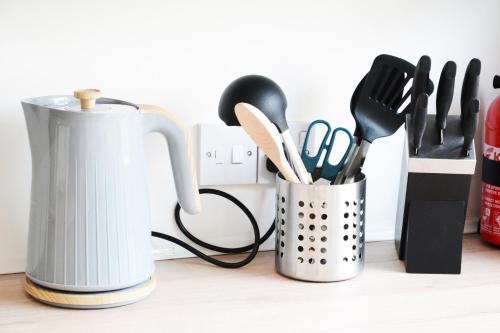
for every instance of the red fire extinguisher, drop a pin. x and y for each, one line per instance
(490, 211)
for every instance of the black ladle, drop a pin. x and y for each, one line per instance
(259, 91)
(267, 96)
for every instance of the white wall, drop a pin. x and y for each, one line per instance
(182, 54)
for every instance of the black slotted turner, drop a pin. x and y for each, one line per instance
(378, 109)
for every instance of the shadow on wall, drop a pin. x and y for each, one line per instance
(475, 194)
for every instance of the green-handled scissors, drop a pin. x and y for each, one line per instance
(328, 171)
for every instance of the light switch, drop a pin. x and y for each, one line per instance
(237, 154)
(226, 155)
(219, 155)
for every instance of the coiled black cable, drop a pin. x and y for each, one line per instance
(254, 247)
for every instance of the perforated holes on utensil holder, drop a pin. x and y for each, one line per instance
(352, 227)
(280, 225)
(312, 233)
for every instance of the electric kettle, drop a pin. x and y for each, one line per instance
(89, 227)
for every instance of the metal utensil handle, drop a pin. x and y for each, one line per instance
(355, 164)
(353, 151)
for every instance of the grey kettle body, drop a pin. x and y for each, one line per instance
(89, 227)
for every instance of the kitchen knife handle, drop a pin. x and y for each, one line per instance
(420, 83)
(445, 91)
(469, 87)
(470, 125)
(496, 81)
(420, 121)
(421, 78)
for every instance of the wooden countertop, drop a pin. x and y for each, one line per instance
(193, 296)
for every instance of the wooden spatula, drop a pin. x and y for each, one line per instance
(266, 137)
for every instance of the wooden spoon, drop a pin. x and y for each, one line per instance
(266, 137)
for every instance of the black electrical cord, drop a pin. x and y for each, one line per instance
(254, 247)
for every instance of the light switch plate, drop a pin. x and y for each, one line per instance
(225, 155)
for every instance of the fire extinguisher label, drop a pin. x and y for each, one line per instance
(491, 210)
(490, 219)
(492, 153)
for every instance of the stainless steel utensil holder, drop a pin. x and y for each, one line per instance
(320, 230)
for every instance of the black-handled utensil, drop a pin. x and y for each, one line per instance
(357, 131)
(469, 87)
(444, 96)
(496, 81)
(420, 79)
(259, 91)
(264, 94)
(354, 101)
(377, 111)
(420, 120)
(470, 125)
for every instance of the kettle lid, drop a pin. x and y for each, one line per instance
(83, 100)
(89, 100)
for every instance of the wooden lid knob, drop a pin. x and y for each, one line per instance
(87, 97)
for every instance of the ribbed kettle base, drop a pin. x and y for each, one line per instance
(94, 300)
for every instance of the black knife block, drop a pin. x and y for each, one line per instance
(432, 203)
